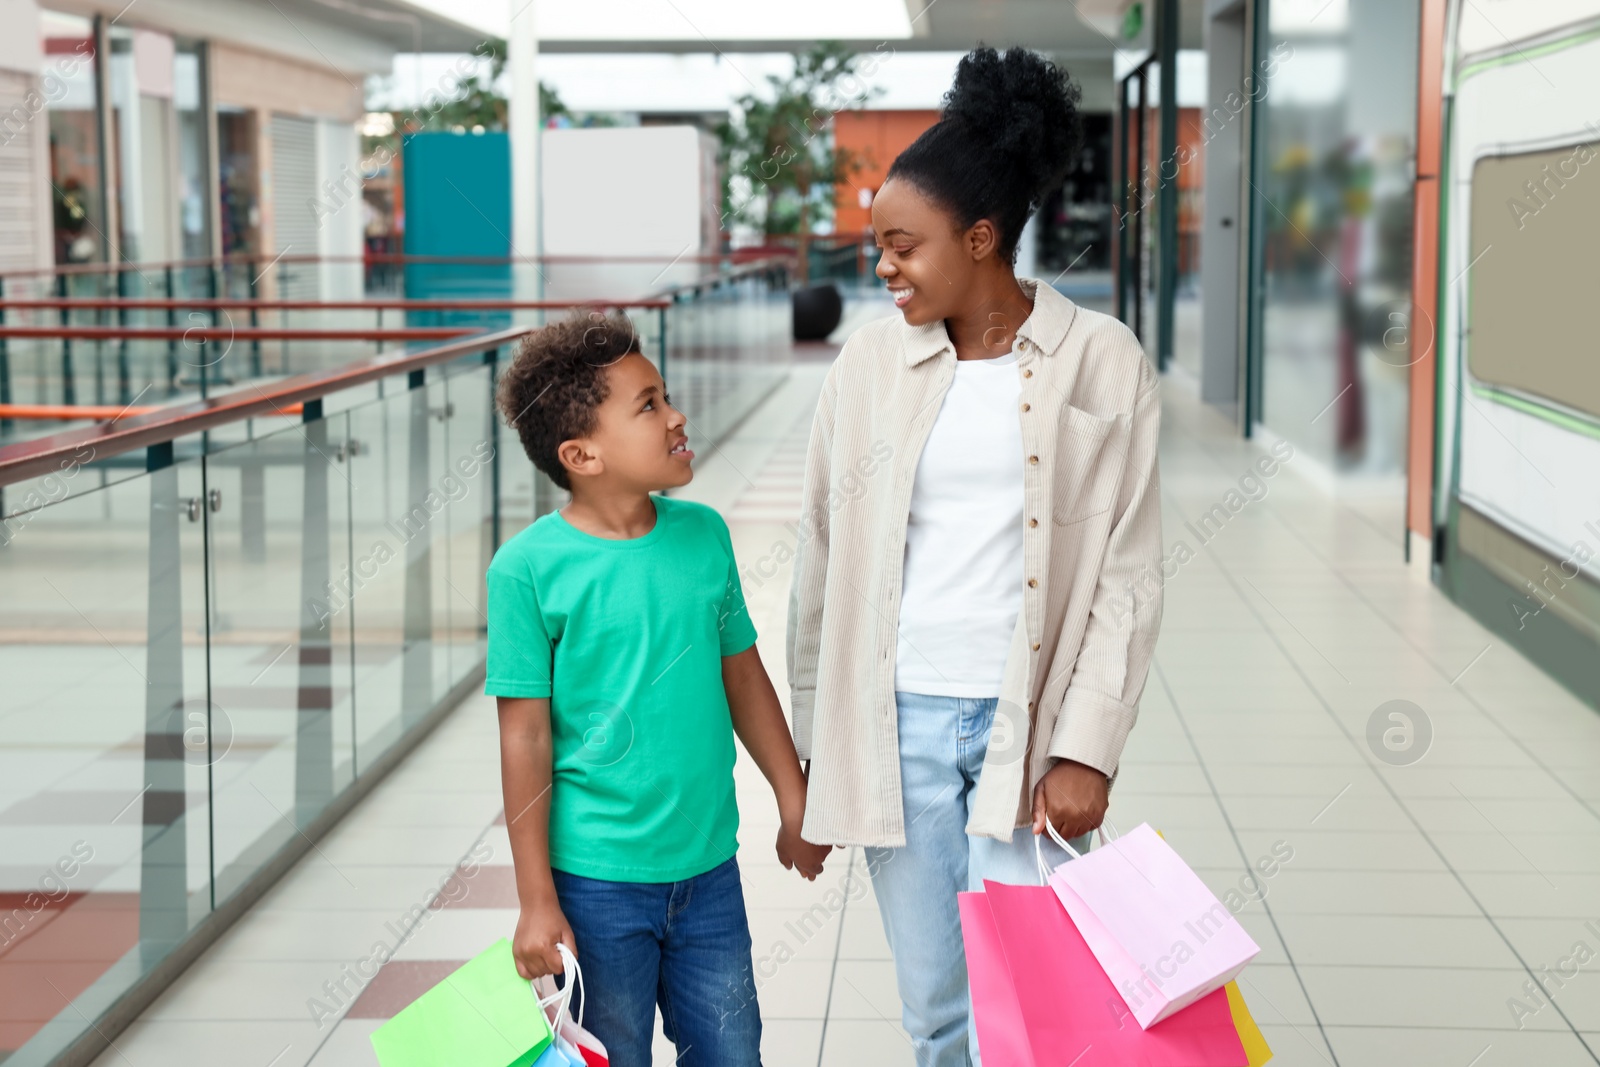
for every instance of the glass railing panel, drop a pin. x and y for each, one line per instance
(401, 443)
(728, 345)
(281, 660)
(104, 775)
(467, 484)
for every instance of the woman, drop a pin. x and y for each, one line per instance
(971, 621)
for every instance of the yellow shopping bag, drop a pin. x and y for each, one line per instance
(1255, 1045)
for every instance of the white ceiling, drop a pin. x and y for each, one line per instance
(1060, 27)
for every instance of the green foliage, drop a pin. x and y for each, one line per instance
(477, 102)
(784, 144)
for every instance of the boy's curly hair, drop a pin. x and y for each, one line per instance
(557, 379)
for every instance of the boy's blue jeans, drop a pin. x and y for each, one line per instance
(942, 745)
(682, 945)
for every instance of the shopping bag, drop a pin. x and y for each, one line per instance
(1162, 937)
(482, 1015)
(580, 1045)
(1041, 999)
(1250, 1036)
(996, 1013)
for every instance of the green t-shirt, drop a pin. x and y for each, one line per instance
(632, 632)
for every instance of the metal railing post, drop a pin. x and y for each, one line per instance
(69, 386)
(5, 366)
(172, 342)
(255, 344)
(662, 312)
(124, 370)
(219, 283)
(492, 358)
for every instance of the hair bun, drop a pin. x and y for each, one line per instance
(1023, 106)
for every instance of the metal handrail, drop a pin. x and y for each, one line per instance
(206, 303)
(740, 256)
(43, 455)
(90, 412)
(231, 333)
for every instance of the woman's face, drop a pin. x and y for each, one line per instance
(927, 261)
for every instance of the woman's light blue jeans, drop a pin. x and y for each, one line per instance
(942, 746)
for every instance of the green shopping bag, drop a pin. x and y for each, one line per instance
(483, 1015)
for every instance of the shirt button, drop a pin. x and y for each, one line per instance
(1027, 374)
(1033, 522)
(1033, 583)
(1025, 407)
(1033, 460)
(1036, 646)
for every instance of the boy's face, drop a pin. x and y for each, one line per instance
(640, 442)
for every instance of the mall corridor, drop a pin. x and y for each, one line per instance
(1416, 889)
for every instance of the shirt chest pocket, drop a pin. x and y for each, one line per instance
(1091, 451)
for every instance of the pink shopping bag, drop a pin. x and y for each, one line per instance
(1163, 938)
(1040, 998)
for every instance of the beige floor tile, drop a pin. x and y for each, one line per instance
(165, 1042)
(1297, 891)
(1401, 1046)
(865, 989)
(866, 1043)
(1437, 941)
(350, 1045)
(863, 937)
(1434, 997)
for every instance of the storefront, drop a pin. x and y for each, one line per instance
(124, 142)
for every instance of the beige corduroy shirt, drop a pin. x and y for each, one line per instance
(1090, 413)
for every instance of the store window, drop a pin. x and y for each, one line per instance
(189, 97)
(1334, 178)
(69, 82)
(141, 76)
(237, 168)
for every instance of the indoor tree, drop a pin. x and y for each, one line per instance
(782, 142)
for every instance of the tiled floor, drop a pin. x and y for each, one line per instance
(1426, 890)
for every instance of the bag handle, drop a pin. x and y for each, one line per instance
(562, 998)
(1045, 870)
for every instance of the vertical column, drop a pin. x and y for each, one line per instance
(416, 667)
(522, 54)
(1167, 211)
(163, 855)
(313, 735)
(1425, 278)
(1119, 199)
(211, 178)
(110, 246)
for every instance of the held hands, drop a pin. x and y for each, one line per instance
(1073, 796)
(796, 853)
(539, 928)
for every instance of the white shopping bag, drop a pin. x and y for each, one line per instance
(574, 1042)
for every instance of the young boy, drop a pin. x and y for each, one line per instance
(624, 663)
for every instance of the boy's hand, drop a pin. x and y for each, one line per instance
(796, 853)
(533, 946)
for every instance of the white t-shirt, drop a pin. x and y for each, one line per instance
(962, 584)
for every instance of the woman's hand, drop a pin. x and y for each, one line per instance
(539, 927)
(1073, 796)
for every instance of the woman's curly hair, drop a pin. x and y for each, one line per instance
(557, 380)
(1005, 140)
